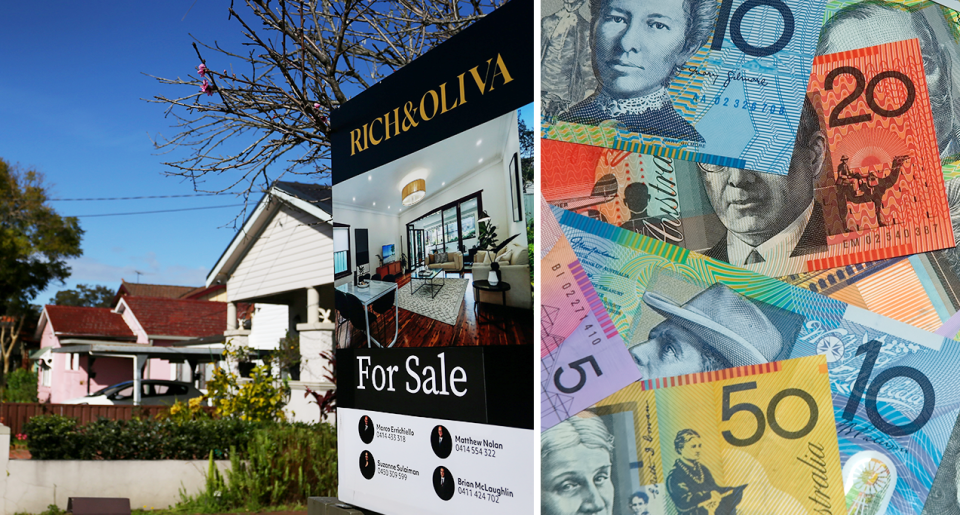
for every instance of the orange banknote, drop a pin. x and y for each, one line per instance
(883, 192)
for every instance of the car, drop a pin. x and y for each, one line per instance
(155, 391)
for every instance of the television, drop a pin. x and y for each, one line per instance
(389, 253)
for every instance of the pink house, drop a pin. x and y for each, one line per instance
(91, 348)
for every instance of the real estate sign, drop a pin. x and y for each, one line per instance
(442, 422)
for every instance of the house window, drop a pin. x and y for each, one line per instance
(45, 373)
(341, 250)
(73, 362)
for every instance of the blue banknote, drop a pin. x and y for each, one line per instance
(896, 394)
(719, 82)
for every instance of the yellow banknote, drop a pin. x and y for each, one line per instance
(755, 439)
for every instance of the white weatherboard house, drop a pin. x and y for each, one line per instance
(282, 260)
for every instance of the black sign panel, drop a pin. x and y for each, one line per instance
(486, 385)
(479, 74)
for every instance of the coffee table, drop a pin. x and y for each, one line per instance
(426, 278)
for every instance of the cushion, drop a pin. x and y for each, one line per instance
(503, 251)
(442, 257)
(520, 257)
(504, 257)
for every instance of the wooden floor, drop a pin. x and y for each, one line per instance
(512, 326)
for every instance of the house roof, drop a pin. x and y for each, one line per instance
(178, 317)
(313, 199)
(319, 195)
(155, 290)
(82, 321)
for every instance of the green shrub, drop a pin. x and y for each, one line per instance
(52, 437)
(21, 386)
(283, 464)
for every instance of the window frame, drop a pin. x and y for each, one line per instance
(345, 273)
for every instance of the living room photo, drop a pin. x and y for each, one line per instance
(431, 249)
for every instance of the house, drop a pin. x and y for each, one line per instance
(84, 349)
(281, 260)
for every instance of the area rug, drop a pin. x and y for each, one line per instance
(443, 308)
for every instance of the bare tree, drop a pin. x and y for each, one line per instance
(255, 123)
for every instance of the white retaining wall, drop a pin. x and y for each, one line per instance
(31, 485)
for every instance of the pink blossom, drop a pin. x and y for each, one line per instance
(206, 88)
(316, 106)
(202, 69)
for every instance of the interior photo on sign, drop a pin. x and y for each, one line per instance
(431, 249)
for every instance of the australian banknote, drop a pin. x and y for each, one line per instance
(752, 440)
(894, 394)
(792, 223)
(577, 337)
(720, 82)
(926, 287)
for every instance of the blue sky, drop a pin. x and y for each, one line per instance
(72, 76)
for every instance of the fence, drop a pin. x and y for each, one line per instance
(15, 415)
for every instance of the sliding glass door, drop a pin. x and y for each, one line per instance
(416, 247)
(451, 228)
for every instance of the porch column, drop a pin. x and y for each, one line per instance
(235, 335)
(231, 316)
(139, 360)
(313, 306)
(316, 337)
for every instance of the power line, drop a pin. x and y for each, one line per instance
(136, 198)
(160, 211)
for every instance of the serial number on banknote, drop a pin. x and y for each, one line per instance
(759, 107)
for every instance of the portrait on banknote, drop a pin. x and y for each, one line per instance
(639, 503)
(576, 462)
(690, 484)
(692, 329)
(766, 214)
(566, 73)
(636, 49)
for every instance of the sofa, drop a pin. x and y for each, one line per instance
(514, 269)
(446, 261)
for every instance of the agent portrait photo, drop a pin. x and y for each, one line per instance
(365, 427)
(770, 216)
(716, 329)
(368, 466)
(576, 458)
(691, 485)
(443, 483)
(637, 47)
(441, 441)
